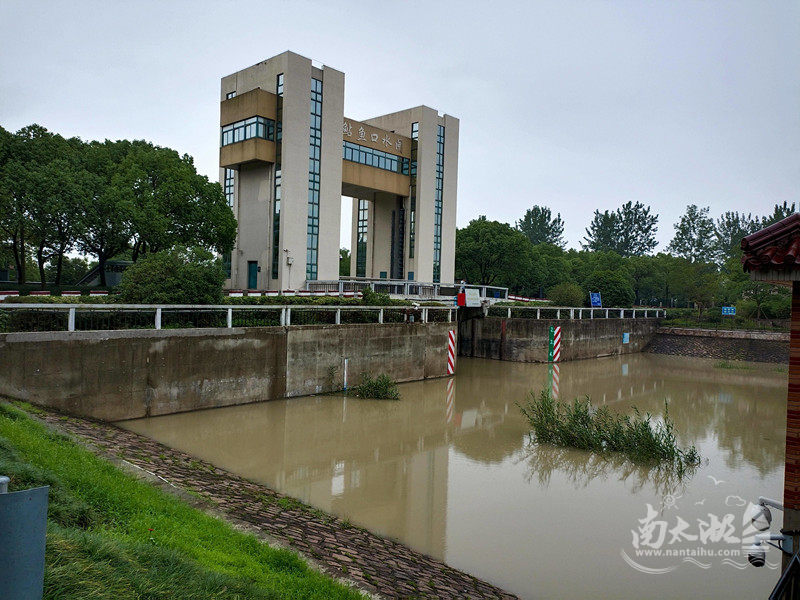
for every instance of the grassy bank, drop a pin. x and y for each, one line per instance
(585, 427)
(113, 536)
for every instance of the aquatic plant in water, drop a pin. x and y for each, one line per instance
(381, 387)
(580, 425)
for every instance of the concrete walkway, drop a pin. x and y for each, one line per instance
(374, 564)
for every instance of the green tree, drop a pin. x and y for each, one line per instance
(344, 262)
(780, 212)
(492, 253)
(629, 231)
(729, 230)
(540, 227)
(694, 235)
(566, 294)
(177, 276)
(637, 229)
(169, 203)
(698, 282)
(548, 268)
(106, 229)
(72, 270)
(649, 279)
(603, 232)
(614, 287)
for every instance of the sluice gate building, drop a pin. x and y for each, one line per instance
(288, 154)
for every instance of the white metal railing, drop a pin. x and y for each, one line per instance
(402, 287)
(571, 312)
(157, 312)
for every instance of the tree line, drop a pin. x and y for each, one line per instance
(701, 266)
(103, 199)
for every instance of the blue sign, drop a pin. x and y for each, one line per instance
(594, 299)
(626, 338)
(729, 311)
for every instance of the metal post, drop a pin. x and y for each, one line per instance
(158, 318)
(4, 484)
(70, 320)
(450, 315)
(591, 313)
(621, 313)
(537, 313)
(288, 316)
(572, 313)
(558, 313)
(338, 316)
(634, 313)
(341, 287)
(283, 317)
(230, 318)
(606, 313)
(509, 313)
(645, 313)
(424, 315)
(380, 316)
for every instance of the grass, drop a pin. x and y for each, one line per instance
(381, 387)
(113, 536)
(724, 364)
(582, 426)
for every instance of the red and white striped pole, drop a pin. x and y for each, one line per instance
(451, 352)
(556, 344)
(554, 385)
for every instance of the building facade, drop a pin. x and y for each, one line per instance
(288, 156)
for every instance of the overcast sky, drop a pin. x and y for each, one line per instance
(572, 105)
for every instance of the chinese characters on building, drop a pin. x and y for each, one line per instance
(362, 136)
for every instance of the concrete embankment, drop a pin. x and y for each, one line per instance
(116, 375)
(756, 346)
(527, 340)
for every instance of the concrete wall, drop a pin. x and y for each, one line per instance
(526, 340)
(757, 346)
(115, 375)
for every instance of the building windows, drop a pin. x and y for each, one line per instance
(230, 95)
(314, 150)
(254, 127)
(276, 207)
(412, 199)
(437, 207)
(228, 186)
(361, 238)
(226, 263)
(374, 158)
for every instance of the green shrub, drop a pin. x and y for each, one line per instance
(381, 387)
(566, 294)
(779, 306)
(615, 289)
(178, 276)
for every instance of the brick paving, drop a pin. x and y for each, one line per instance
(373, 563)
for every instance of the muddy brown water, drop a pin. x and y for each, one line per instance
(449, 470)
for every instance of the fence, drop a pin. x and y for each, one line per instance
(402, 287)
(567, 312)
(87, 317)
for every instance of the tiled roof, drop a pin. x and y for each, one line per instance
(774, 247)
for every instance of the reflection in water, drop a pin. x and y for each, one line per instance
(581, 468)
(449, 471)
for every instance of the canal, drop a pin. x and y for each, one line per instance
(449, 471)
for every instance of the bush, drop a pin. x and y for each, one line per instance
(178, 276)
(778, 307)
(582, 426)
(615, 289)
(381, 387)
(566, 294)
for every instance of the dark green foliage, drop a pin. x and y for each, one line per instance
(566, 294)
(614, 287)
(585, 427)
(381, 387)
(178, 276)
(629, 231)
(540, 227)
(344, 262)
(492, 253)
(694, 236)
